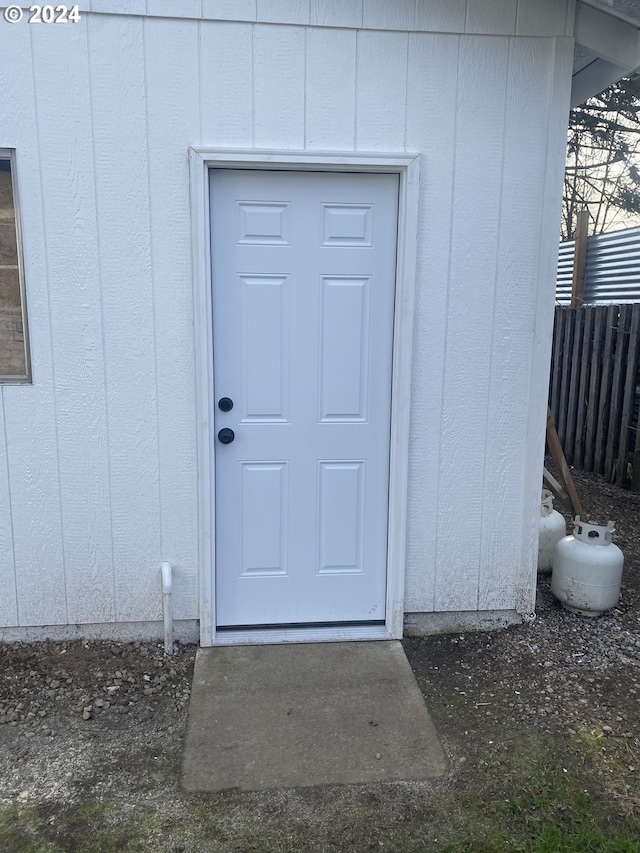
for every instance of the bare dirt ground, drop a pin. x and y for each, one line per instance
(541, 724)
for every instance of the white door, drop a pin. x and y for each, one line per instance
(303, 271)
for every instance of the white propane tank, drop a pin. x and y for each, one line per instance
(587, 569)
(553, 528)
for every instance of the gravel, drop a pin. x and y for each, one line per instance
(84, 720)
(67, 709)
(559, 675)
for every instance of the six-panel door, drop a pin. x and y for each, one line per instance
(303, 276)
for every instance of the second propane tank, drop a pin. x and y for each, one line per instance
(552, 529)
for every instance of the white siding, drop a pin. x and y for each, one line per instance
(432, 80)
(98, 462)
(30, 418)
(231, 10)
(118, 89)
(336, 13)
(119, 7)
(331, 89)
(540, 17)
(528, 89)
(469, 344)
(183, 9)
(543, 309)
(381, 81)
(173, 114)
(278, 87)
(69, 208)
(226, 85)
(400, 15)
(8, 598)
(441, 17)
(497, 17)
(482, 17)
(283, 11)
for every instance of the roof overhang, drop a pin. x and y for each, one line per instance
(607, 34)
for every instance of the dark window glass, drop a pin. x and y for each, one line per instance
(14, 361)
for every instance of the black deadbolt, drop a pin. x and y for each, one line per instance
(226, 435)
(225, 404)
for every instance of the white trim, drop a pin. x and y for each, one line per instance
(608, 37)
(593, 79)
(407, 167)
(25, 378)
(271, 636)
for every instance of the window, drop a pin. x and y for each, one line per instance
(14, 354)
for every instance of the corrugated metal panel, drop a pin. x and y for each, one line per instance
(613, 268)
(565, 272)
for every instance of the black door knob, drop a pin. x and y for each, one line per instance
(226, 435)
(225, 404)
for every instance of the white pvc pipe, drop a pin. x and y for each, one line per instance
(167, 588)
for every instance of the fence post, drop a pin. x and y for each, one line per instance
(579, 260)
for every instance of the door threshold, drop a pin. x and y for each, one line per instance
(329, 634)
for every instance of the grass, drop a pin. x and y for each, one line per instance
(21, 831)
(537, 794)
(548, 796)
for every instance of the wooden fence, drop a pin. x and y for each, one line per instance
(595, 389)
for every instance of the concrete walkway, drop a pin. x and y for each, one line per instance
(287, 716)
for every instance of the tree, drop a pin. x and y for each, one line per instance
(603, 160)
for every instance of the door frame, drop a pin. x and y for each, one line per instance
(406, 166)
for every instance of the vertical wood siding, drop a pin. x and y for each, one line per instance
(121, 158)
(469, 344)
(528, 87)
(381, 86)
(278, 87)
(331, 89)
(173, 115)
(432, 79)
(8, 598)
(76, 322)
(542, 320)
(98, 462)
(226, 85)
(30, 416)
